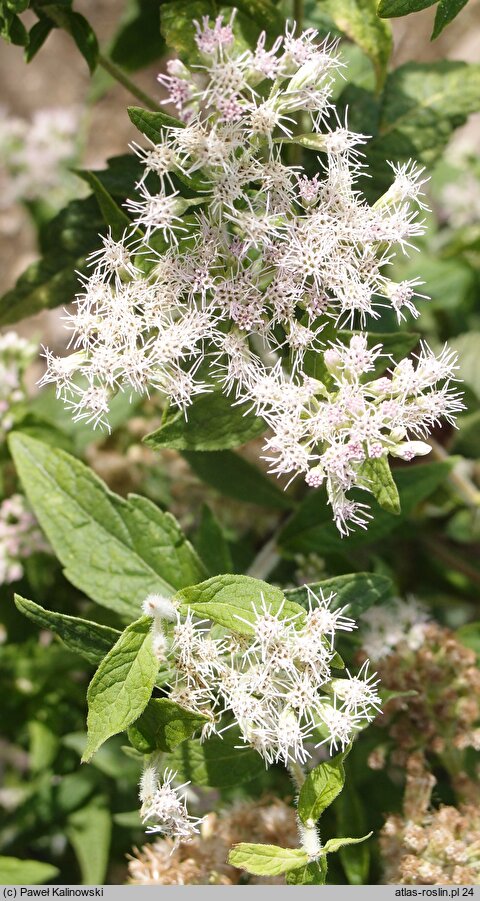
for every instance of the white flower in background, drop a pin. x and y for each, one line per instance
(20, 537)
(164, 807)
(16, 354)
(385, 627)
(278, 682)
(35, 156)
(250, 282)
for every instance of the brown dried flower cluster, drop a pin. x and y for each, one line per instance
(443, 716)
(430, 847)
(203, 860)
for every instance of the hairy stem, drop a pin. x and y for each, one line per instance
(307, 832)
(123, 79)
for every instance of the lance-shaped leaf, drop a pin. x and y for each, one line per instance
(89, 831)
(358, 20)
(375, 476)
(334, 844)
(113, 215)
(446, 12)
(266, 860)
(122, 686)
(117, 551)
(321, 787)
(152, 124)
(393, 8)
(213, 423)
(14, 871)
(163, 725)
(233, 476)
(91, 640)
(232, 600)
(357, 591)
(219, 762)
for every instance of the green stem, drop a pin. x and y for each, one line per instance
(123, 79)
(298, 13)
(307, 832)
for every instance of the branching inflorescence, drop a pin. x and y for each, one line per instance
(258, 268)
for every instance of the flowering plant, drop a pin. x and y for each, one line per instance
(245, 278)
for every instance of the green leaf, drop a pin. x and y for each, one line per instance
(152, 124)
(212, 424)
(266, 860)
(468, 349)
(89, 831)
(111, 212)
(84, 37)
(392, 8)
(37, 37)
(311, 527)
(122, 686)
(218, 762)
(138, 43)
(176, 25)
(336, 843)
(321, 787)
(14, 871)
(211, 545)
(357, 591)
(263, 13)
(351, 819)
(233, 476)
(117, 551)
(163, 725)
(91, 640)
(421, 105)
(469, 635)
(447, 10)
(314, 873)
(358, 20)
(52, 281)
(375, 476)
(230, 599)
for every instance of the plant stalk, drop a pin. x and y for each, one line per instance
(123, 79)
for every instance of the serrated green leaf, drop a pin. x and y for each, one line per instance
(421, 105)
(446, 12)
(176, 25)
(219, 762)
(351, 818)
(122, 686)
(138, 43)
(231, 600)
(211, 545)
(52, 281)
(233, 476)
(91, 640)
(322, 785)
(376, 477)
(14, 871)
(311, 527)
(313, 873)
(266, 860)
(336, 843)
(163, 725)
(89, 831)
(212, 424)
(393, 8)
(114, 216)
(115, 550)
(152, 124)
(357, 591)
(358, 20)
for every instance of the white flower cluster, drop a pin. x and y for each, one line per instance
(35, 156)
(16, 354)
(20, 537)
(164, 806)
(277, 681)
(387, 626)
(249, 272)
